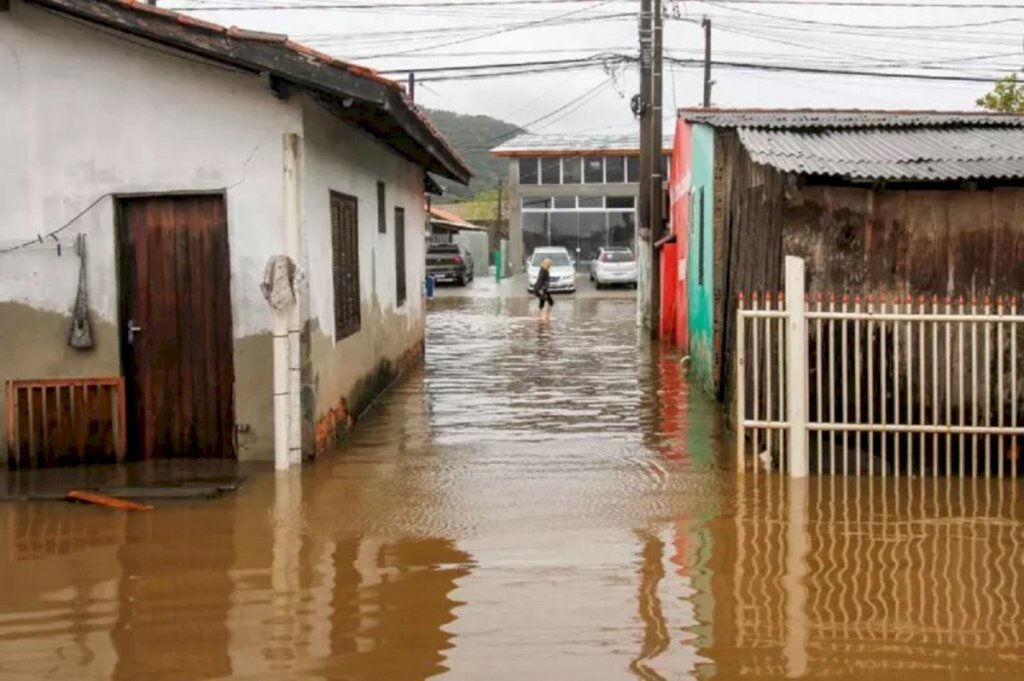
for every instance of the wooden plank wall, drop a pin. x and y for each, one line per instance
(749, 254)
(911, 242)
(62, 422)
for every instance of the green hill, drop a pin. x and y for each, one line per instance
(473, 137)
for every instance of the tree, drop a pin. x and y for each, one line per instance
(1007, 96)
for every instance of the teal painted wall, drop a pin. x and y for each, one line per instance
(700, 275)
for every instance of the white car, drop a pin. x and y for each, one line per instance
(614, 266)
(563, 269)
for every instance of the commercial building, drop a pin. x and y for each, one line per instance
(576, 191)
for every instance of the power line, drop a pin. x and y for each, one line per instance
(834, 72)
(517, 27)
(485, 4)
(580, 99)
(467, 72)
(472, 67)
(879, 27)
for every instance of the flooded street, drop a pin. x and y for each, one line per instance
(537, 501)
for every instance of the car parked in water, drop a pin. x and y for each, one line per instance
(614, 266)
(563, 269)
(450, 262)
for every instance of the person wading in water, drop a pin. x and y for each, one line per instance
(542, 288)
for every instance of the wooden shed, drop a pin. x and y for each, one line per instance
(907, 203)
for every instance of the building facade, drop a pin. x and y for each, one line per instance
(572, 191)
(907, 204)
(162, 141)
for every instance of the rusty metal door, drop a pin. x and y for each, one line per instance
(176, 338)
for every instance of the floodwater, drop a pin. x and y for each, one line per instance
(539, 501)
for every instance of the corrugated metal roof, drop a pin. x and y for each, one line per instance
(930, 153)
(529, 143)
(438, 214)
(816, 118)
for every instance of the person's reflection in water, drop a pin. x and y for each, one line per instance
(656, 638)
(392, 607)
(545, 341)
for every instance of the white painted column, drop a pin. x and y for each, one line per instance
(796, 367)
(293, 249)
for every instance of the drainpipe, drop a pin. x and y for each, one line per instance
(281, 461)
(292, 242)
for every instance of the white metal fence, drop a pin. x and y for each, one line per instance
(878, 386)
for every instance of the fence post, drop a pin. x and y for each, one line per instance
(796, 366)
(740, 390)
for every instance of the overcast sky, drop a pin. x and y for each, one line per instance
(972, 40)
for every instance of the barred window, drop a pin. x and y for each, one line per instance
(345, 251)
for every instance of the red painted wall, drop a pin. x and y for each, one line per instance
(674, 294)
(669, 281)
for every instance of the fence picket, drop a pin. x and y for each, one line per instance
(954, 395)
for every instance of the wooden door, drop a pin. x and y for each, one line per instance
(176, 336)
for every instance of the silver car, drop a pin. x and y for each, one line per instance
(563, 269)
(615, 265)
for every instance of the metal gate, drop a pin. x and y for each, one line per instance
(885, 385)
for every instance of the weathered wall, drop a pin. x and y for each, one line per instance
(88, 115)
(911, 242)
(748, 251)
(700, 286)
(346, 374)
(858, 240)
(680, 224)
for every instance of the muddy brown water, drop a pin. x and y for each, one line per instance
(538, 501)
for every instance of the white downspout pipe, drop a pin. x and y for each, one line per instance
(293, 246)
(281, 461)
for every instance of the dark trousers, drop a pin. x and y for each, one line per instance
(545, 297)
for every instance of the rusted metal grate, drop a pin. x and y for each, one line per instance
(65, 422)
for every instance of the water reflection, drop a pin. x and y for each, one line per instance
(656, 638)
(863, 577)
(540, 500)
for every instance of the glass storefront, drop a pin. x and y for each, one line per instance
(582, 225)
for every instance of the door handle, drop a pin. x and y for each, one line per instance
(132, 330)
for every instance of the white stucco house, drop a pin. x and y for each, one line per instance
(187, 155)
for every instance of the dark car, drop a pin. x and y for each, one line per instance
(450, 262)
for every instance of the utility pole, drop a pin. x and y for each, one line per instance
(657, 181)
(644, 243)
(706, 23)
(412, 86)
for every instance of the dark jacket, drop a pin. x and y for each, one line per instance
(543, 280)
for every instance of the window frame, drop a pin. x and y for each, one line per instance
(382, 202)
(550, 161)
(587, 159)
(699, 222)
(524, 160)
(401, 277)
(607, 179)
(569, 160)
(345, 266)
